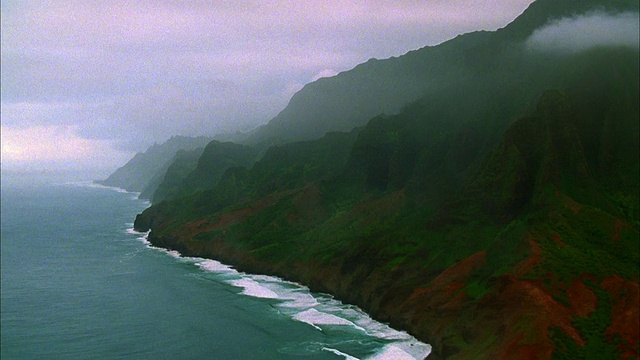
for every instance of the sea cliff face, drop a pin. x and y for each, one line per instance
(495, 217)
(534, 256)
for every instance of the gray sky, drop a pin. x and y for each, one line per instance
(92, 81)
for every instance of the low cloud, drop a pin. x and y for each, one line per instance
(55, 147)
(131, 73)
(324, 73)
(587, 31)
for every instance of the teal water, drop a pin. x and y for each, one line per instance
(78, 283)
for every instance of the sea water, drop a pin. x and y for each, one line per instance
(79, 283)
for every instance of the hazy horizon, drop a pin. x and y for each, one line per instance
(85, 85)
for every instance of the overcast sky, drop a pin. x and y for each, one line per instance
(94, 81)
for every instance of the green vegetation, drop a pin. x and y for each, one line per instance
(140, 171)
(592, 328)
(217, 157)
(504, 177)
(171, 177)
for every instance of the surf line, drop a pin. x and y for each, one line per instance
(298, 303)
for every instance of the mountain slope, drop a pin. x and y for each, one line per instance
(140, 170)
(532, 228)
(376, 87)
(494, 218)
(216, 158)
(170, 177)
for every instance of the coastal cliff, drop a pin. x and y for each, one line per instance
(534, 256)
(495, 215)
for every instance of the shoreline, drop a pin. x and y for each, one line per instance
(406, 345)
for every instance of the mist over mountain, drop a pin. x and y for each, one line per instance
(171, 174)
(580, 33)
(376, 87)
(136, 174)
(481, 194)
(215, 159)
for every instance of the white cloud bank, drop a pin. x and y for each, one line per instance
(587, 31)
(131, 73)
(54, 148)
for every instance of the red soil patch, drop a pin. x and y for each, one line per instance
(458, 299)
(571, 204)
(516, 350)
(293, 217)
(526, 305)
(446, 297)
(617, 229)
(445, 293)
(527, 264)
(310, 196)
(558, 240)
(583, 301)
(226, 219)
(553, 313)
(307, 207)
(460, 270)
(625, 314)
(199, 223)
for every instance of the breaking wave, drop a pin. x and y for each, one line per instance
(321, 311)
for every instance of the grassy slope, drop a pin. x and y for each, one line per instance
(190, 174)
(171, 175)
(529, 250)
(136, 174)
(483, 236)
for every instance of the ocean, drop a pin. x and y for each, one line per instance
(79, 283)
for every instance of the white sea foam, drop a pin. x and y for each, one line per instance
(298, 299)
(340, 353)
(322, 309)
(269, 278)
(374, 328)
(293, 295)
(131, 231)
(214, 266)
(174, 253)
(91, 184)
(253, 288)
(317, 310)
(314, 318)
(359, 318)
(395, 352)
(142, 236)
(392, 352)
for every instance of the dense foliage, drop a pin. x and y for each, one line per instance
(488, 202)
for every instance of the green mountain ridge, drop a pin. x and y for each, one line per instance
(214, 161)
(481, 195)
(373, 248)
(138, 172)
(376, 87)
(172, 175)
